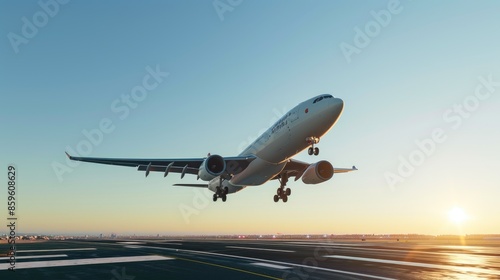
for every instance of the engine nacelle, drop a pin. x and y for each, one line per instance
(211, 167)
(317, 173)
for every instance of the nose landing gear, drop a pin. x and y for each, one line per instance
(312, 141)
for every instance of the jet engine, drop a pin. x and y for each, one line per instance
(211, 167)
(318, 172)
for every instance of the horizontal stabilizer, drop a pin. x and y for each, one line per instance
(343, 170)
(192, 185)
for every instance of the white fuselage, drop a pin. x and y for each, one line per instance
(286, 138)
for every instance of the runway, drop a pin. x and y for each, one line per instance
(251, 259)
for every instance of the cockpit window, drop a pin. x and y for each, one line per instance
(322, 97)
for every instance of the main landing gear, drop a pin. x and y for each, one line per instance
(312, 150)
(283, 193)
(222, 193)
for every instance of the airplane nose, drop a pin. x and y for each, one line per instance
(336, 108)
(338, 104)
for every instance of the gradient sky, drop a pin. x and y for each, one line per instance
(232, 73)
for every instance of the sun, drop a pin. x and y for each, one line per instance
(457, 215)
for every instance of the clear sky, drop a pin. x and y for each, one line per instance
(420, 81)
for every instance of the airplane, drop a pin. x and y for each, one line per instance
(269, 157)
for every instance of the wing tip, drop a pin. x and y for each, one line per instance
(70, 156)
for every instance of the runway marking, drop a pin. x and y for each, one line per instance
(426, 265)
(230, 268)
(395, 250)
(260, 249)
(324, 243)
(39, 264)
(271, 261)
(271, 265)
(55, 250)
(132, 246)
(131, 242)
(35, 257)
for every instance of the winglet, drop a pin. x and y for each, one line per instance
(68, 155)
(354, 167)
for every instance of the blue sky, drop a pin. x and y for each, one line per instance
(232, 71)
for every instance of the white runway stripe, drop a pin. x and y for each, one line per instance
(271, 265)
(260, 249)
(426, 265)
(132, 246)
(55, 250)
(276, 262)
(39, 264)
(35, 257)
(325, 243)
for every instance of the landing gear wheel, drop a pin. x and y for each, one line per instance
(221, 192)
(281, 192)
(312, 141)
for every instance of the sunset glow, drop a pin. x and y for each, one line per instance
(457, 215)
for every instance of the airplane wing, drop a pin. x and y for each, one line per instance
(183, 166)
(297, 168)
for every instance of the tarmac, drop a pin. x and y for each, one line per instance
(251, 259)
